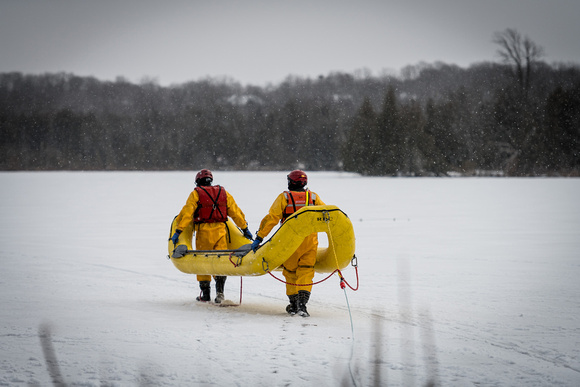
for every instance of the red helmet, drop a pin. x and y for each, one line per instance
(298, 177)
(204, 177)
(204, 173)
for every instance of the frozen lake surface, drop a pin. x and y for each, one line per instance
(463, 282)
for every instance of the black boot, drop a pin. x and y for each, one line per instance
(292, 308)
(205, 291)
(303, 297)
(220, 283)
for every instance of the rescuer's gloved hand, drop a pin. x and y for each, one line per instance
(256, 243)
(175, 236)
(248, 234)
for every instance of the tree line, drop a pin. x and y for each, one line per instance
(518, 117)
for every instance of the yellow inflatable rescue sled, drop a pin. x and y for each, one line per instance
(240, 260)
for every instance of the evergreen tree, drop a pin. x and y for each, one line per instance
(561, 136)
(358, 151)
(389, 144)
(434, 126)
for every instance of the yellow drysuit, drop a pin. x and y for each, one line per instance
(209, 236)
(299, 268)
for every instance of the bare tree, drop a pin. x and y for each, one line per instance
(519, 51)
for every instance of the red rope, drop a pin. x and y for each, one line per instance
(342, 280)
(345, 281)
(233, 263)
(310, 284)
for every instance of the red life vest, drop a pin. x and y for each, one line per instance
(212, 205)
(296, 200)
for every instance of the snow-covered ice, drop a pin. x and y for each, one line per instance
(463, 282)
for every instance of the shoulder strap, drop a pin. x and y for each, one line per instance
(292, 198)
(215, 203)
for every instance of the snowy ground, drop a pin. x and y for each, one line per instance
(463, 282)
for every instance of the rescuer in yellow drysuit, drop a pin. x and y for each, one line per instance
(208, 207)
(299, 268)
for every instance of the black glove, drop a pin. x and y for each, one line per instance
(256, 243)
(175, 237)
(248, 234)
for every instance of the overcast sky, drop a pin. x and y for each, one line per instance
(260, 42)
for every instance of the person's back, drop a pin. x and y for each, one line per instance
(208, 208)
(299, 268)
